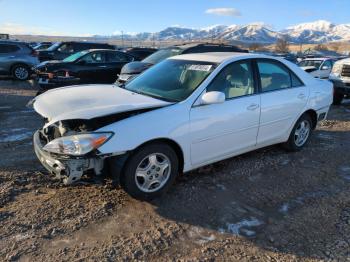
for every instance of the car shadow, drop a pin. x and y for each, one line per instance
(281, 202)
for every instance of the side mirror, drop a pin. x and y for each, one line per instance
(81, 62)
(213, 97)
(325, 68)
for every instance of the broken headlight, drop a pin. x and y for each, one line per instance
(77, 145)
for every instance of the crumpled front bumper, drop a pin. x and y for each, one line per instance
(68, 169)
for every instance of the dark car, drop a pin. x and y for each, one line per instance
(85, 67)
(61, 50)
(43, 46)
(16, 59)
(140, 52)
(133, 69)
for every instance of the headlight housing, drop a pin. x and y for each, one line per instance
(337, 68)
(77, 145)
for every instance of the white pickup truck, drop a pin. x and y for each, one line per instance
(340, 76)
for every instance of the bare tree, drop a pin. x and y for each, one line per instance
(320, 47)
(282, 45)
(255, 47)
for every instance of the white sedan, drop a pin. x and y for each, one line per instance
(185, 112)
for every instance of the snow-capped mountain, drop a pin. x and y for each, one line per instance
(315, 32)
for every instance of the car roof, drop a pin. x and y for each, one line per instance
(12, 42)
(318, 58)
(216, 57)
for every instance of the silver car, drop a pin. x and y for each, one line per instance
(17, 59)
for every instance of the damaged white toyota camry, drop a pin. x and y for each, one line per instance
(186, 112)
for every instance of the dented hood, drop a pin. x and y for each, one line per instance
(89, 101)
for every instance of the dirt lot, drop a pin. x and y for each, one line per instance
(265, 205)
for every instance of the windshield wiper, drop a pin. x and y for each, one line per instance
(154, 96)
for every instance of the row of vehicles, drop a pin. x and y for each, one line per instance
(68, 63)
(180, 108)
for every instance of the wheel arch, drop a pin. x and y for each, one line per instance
(313, 114)
(173, 144)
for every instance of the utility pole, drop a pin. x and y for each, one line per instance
(122, 38)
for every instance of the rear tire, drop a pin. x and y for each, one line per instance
(150, 171)
(300, 135)
(20, 72)
(337, 98)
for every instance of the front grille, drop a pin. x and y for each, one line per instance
(345, 71)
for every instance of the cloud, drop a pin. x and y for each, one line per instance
(223, 11)
(18, 29)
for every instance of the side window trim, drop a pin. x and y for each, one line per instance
(273, 61)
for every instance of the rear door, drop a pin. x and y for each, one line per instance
(283, 97)
(7, 56)
(115, 60)
(220, 130)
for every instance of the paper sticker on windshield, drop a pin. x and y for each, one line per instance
(205, 68)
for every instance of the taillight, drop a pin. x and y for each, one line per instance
(34, 53)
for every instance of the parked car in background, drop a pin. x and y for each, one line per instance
(43, 46)
(340, 76)
(140, 52)
(17, 59)
(61, 50)
(85, 67)
(319, 67)
(185, 112)
(133, 69)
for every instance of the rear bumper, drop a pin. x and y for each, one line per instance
(69, 170)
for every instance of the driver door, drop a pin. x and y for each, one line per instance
(221, 130)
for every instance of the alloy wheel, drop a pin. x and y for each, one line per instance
(153, 172)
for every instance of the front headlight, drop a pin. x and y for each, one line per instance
(337, 68)
(77, 145)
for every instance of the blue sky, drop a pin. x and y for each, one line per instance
(86, 17)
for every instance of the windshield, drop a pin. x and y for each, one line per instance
(161, 55)
(315, 63)
(171, 80)
(54, 46)
(75, 56)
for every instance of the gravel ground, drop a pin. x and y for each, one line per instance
(264, 205)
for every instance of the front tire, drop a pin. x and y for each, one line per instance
(20, 72)
(150, 171)
(300, 135)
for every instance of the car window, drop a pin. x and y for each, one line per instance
(66, 48)
(273, 76)
(234, 80)
(6, 48)
(327, 63)
(295, 80)
(118, 57)
(94, 57)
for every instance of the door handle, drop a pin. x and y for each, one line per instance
(102, 66)
(301, 96)
(252, 107)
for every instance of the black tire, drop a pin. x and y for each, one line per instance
(128, 176)
(337, 98)
(20, 72)
(291, 144)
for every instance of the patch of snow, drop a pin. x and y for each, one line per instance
(241, 227)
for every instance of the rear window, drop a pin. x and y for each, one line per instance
(8, 48)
